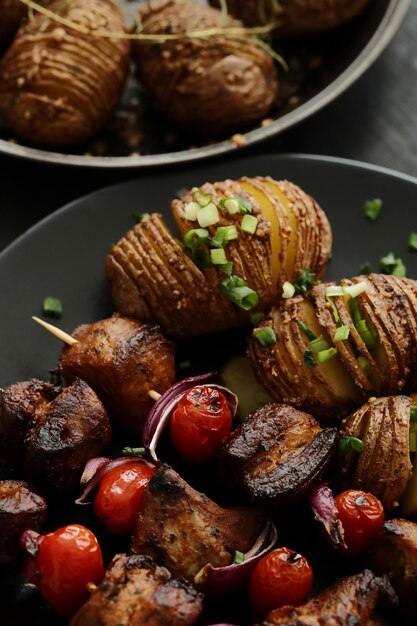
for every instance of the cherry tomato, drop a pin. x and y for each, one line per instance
(362, 516)
(279, 578)
(68, 560)
(200, 424)
(119, 496)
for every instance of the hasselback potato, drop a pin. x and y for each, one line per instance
(209, 284)
(209, 85)
(11, 14)
(57, 85)
(340, 345)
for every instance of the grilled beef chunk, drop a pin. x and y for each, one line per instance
(135, 592)
(184, 530)
(21, 507)
(394, 553)
(52, 432)
(349, 601)
(122, 359)
(277, 454)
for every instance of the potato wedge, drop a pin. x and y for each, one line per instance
(12, 13)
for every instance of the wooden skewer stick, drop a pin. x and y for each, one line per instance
(57, 332)
(154, 394)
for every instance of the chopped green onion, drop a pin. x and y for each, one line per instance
(364, 365)
(265, 336)
(346, 443)
(413, 414)
(257, 317)
(389, 264)
(341, 333)
(249, 224)
(184, 365)
(373, 208)
(355, 310)
(52, 307)
(325, 355)
(201, 198)
(309, 359)
(218, 256)
(334, 290)
(365, 268)
(195, 238)
(288, 290)
(318, 345)
(190, 211)
(237, 291)
(208, 215)
(230, 204)
(138, 216)
(239, 557)
(134, 451)
(311, 336)
(366, 335)
(412, 242)
(334, 310)
(226, 268)
(305, 281)
(223, 235)
(355, 290)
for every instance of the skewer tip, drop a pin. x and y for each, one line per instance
(57, 332)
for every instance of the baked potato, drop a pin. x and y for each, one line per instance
(296, 17)
(210, 85)
(185, 289)
(11, 14)
(332, 352)
(57, 85)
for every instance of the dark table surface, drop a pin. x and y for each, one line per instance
(374, 121)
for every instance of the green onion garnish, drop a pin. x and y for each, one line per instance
(318, 345)
(310, 335)
(365, 268)
(138, 216)
(355, 310)
(236, 205)
(373, 208)
(346, 443)
(265, 336)
(190, 211)
(356, 289)
(412, 242)
(366, 335)
(364, 365)
(239, 557)
(208, 215)
(257, 317)
(223, 235)
(288, 290)
(413, 414)
(195, 238)
(305, 281)
(237, 291)
(249, 224)
(325, 355)
(52, 307)
(389, 264)
(134, 451)
(334, 310)
(201, 198)
(218, 256)
(341, 333)
(226, 268)
(334, 290)
(309, 359)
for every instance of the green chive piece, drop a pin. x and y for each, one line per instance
(309, 359)
(195, 238)
(265, 336)
(138, 216)
(237, 291)
(325, 355)
(356, 289)
(239, 557)
(334, 290)
(341, 333)
(305, 281)
(208, 215)
(373, 208)
(350, 443)
(365, 268)
(288, 290)
(134, 451)
(310, 335)
(184, 365)
(366, 335)
(236, 205)
(226, 268)
(412, 242)
(218, 256)
(355, 310)
(413, 414)
(257, 317)
(190, 211)
(249, 224)
(223, 235)
(201, 198)
(389, 264)
(52, 307)
(364, 365)
(334, 310)
(318, 345)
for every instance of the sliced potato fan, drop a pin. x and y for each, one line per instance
(242, 240)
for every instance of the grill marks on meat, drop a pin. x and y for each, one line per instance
(350, 601)
(122, 359)
(135, 592)
(21, 507)
(277, 454)
(52, 432)
(184, 530)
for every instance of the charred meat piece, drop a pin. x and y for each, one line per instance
(122, 359)
(277, 454)
(134, 592)
(349, 601)
(394, 553)
(184, 530)
(52, 432)
(21, 507)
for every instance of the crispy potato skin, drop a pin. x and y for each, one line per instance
(11, 14)
(297, 17)
(58, 86)
(209, 86)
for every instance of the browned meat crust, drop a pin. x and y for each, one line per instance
(135, 592)
(349, 601)
(122, 359)
(277, 454)
(21, 507)
(184, 530)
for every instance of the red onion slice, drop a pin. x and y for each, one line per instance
(29, 542)
(325, 511)
(97, 468)
(220, 581)
(160, 414)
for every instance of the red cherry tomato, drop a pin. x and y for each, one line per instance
(279, 578)
(119, 496)
(362, 516)
(200, 424)
(68, 560)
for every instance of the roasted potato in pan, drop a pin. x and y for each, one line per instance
(57, 85)
(207, 85)
(11, 14)
(155, 277)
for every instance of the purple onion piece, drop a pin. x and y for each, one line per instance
(97, 468)
(325, 511)
(29, 542)
(220, 581)
(160, 414)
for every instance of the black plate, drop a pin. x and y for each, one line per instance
(64, 255)
(322, 67)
